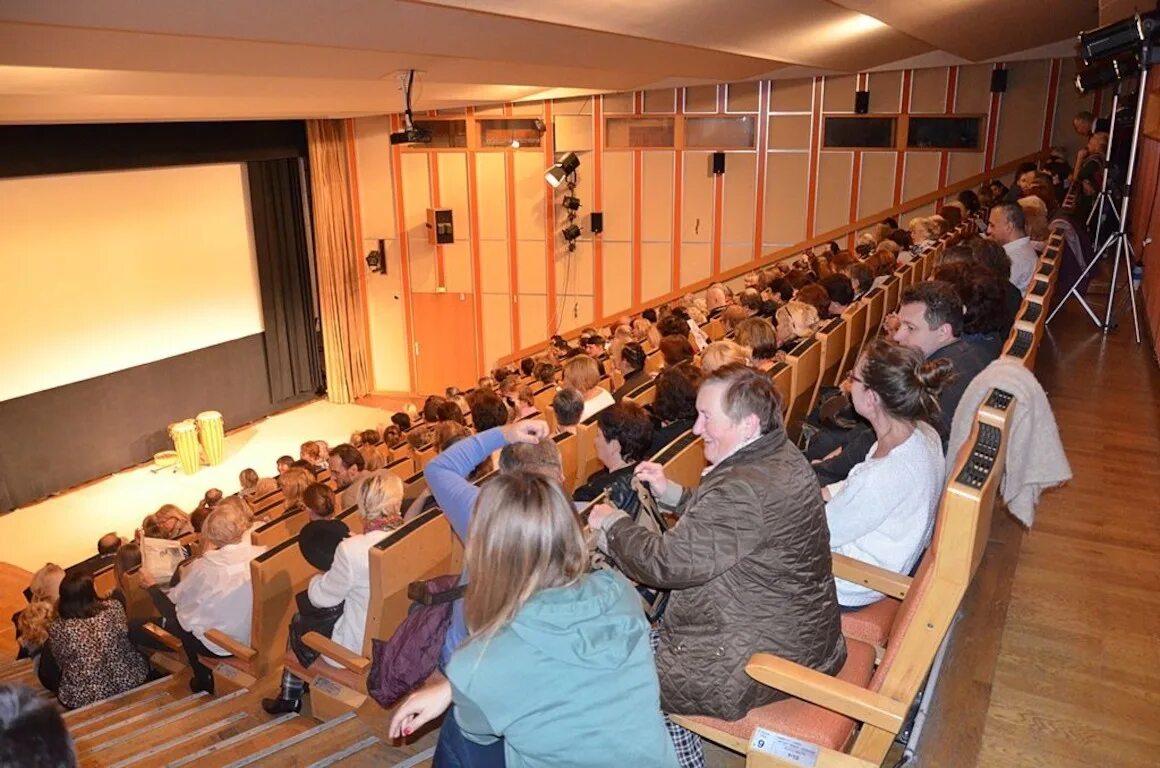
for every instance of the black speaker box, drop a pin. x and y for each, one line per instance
(597, 224)
(718, 162)
(998, 80)
(861, 102)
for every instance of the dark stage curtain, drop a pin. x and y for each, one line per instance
(278, 210)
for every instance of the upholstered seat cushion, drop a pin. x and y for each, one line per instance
(871, 624)
(799, 719)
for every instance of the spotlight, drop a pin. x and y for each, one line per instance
(1114, 39)
(571, 232)
(571, 203)
(1106, 72)
(568, 164)
(515, 143)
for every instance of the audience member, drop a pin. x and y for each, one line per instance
(168, 522)
(840, 289)
(32, 732)
(861, 278)
(675, 350)
(991, 255)
(577, 643)
(796, 322)
(545, 373)
(107, 547)
(631, 365)
(401, 420)
(284, 463)
(90, 641)
(760, 339)
(646, 333)
(675, 407)
(318, 499)
(624, 436)
(883, 512)
(732, 315)
(248, 478)
(214, 592)
(1035, 219)
(582, 373)
(294, 482)
(525, 405)
(1006, 226)
(347, 582)
(346, 468)
(311, 452)
(488, 410)
(986, 321)
(751, 550)
(568, 405)
(32, 624)
(722, 353)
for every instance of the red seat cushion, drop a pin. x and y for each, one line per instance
(800, 719)
(871, 624)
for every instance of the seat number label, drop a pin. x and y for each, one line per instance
(792, 750)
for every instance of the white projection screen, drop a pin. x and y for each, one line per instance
(101, 272)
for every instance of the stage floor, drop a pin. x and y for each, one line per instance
(64, 529)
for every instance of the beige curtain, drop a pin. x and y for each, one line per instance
(336, 248)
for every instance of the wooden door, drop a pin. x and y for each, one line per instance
(444, 352)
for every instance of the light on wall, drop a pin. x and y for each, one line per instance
(558, 173)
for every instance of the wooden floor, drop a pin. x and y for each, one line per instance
(1057, 659)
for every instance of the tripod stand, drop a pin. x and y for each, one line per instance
(1104, 201)
(1117, 242)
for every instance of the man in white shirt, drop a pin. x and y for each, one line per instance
(1007, 227)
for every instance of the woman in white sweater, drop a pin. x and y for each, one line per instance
(883, 512)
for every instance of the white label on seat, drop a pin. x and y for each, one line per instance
(784, 747)
(227, 671)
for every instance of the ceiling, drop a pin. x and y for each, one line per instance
(128, 60)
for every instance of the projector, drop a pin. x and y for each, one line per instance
(411, 135)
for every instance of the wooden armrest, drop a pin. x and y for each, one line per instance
(881, 580)
(163, 637)
(819, 688)
(219, 638)
(332, 650)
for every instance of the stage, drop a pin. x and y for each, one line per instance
(64, 529)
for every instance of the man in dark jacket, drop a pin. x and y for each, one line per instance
(748, 562)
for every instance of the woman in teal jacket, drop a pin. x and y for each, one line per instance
(557, 663)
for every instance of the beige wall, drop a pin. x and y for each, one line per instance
(669, 223)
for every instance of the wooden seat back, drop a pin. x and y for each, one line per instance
(782, 376)
(568, 447)
(281, 528)
(402, 467)
(806, 361)
(683, 459)
(586, 460)
(422, 548)
(855, 336)
(543, 402)
(832, 337)
(138, 604)
(893, 290)
(875, 312)
(271, 509)
(353, 520)
(653, 362)
(714, 329)
(424, 455)
(276, 576)
(104, 581)
(645, 394)
(414, 485)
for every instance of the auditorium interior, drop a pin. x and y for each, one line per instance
(241, 242)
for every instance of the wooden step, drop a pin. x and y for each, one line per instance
(163, 729)
(373, 753)
(182, 741)
(252, 740)
(21, 673)
(13, 666)
(320, 741)
(110, 733)
(166, 686)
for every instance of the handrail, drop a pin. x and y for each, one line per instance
(796, 249)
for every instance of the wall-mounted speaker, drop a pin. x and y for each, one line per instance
(718, 163)
(440, 230)
(861, 102)
(597, 223)
(998, 80)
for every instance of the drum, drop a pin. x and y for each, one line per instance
(184, 434)
(212, 434)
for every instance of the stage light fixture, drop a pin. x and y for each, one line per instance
(556, 175)
(571, 232)
(571, 202)
(1103, 73)
(1113, 39)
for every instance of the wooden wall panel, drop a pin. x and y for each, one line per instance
(663, 101)
(617, 277)
(701, 98)
(835, 171)
(578, 312)
(963, 164)
(876, 182)
(531, 267)
(376, 188)
(458, 276)
(733, 255)
(572, 133)
(497, 328)
(656, 270)
(785, 197)
(528, 109)
(838, 94)
(656, 203)
(491, 195)
(424, 278)
(742, 97)
(696, 201)
(533, 316)
(885, 92)
(1021, 116)
(921, 174)
(617, 196)
(791, 95)
(494, 263)
(529, 195)
(928, 90)
(789, 131)
(618, 103)
(696, 261)
(973, 92)
(1068, 101)
(740, 197)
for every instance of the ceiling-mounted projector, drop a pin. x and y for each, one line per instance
(411, 135)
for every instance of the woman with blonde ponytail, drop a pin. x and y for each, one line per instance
(557, 668)
(883, 512)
